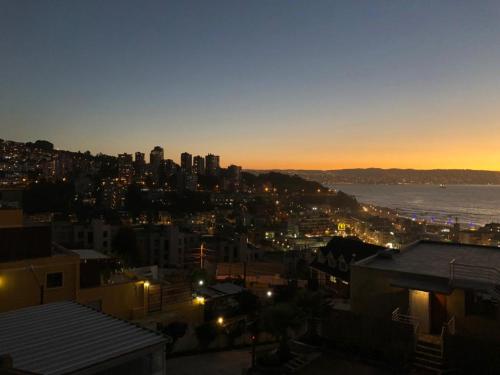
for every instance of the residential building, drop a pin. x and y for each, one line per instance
(331, 266)
(156, 158)
(212, 165)
(166, 245)
(139, 164)
(186, 162)
(199, 165)
(125, 167)
(446, 292)
(35, 271)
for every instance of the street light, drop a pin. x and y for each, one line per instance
(220, 320)
(269, 293)
(201, 282)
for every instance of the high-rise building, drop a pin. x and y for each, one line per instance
(199, 165)
(156, 158)
(140, 163)
(212, 163)
(234, 173)
(125, 167)
(186, 162)
(171, 167)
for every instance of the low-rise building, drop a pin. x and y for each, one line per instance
(439, 289)
(66, 337)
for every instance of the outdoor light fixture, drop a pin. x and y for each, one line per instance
(220, 320)
(201, 282)
(146, 284)
(199, 300)
(269, 293)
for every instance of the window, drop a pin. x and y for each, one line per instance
(479, 304)
(54, 280)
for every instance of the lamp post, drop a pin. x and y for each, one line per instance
(201, 256)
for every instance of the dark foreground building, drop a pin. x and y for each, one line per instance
(66, 337)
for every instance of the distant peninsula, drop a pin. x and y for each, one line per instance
(396, 176)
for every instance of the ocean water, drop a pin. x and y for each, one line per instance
(471, 204)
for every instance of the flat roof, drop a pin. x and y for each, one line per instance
(433, 258)
(63, 337)
(89, 254)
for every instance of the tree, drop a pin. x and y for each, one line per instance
(124, 245)
(311, 306)
(133, 200)
(175, 331)
(278, 320)
(206, 333)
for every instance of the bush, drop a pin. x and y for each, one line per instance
(206, 333)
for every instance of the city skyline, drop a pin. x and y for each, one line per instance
(327, 85)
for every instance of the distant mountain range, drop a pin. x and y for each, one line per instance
(396, 176)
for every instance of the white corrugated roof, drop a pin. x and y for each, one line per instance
(90, 254)
(62, 337)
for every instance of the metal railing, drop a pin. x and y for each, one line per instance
(448, 328)
(409, 320)
(460, 271)
(404, 318)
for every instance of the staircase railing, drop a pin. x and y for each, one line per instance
(409, 320)
(448, 328)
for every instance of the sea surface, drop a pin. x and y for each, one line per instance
(472, 204)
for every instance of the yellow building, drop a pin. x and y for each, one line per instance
(33, 271)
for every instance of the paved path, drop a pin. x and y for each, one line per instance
(220, 363)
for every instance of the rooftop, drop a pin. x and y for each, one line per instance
(433, 258)
(63, 337)
(89, 254)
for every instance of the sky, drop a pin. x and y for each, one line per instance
(307, 84)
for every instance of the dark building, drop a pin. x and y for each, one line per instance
(186, 162)
(140, 163)
(199, 165)
(212, 164)
(331, 267)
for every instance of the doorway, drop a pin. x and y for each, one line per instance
(419, 308)
(439, 312)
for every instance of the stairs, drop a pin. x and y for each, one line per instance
(299, 361)
(429, 356)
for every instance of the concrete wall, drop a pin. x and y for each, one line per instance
(124, 300)
(11, 217)
(372, 294)
(472, 325)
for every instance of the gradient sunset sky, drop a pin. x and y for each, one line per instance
(307, 84)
